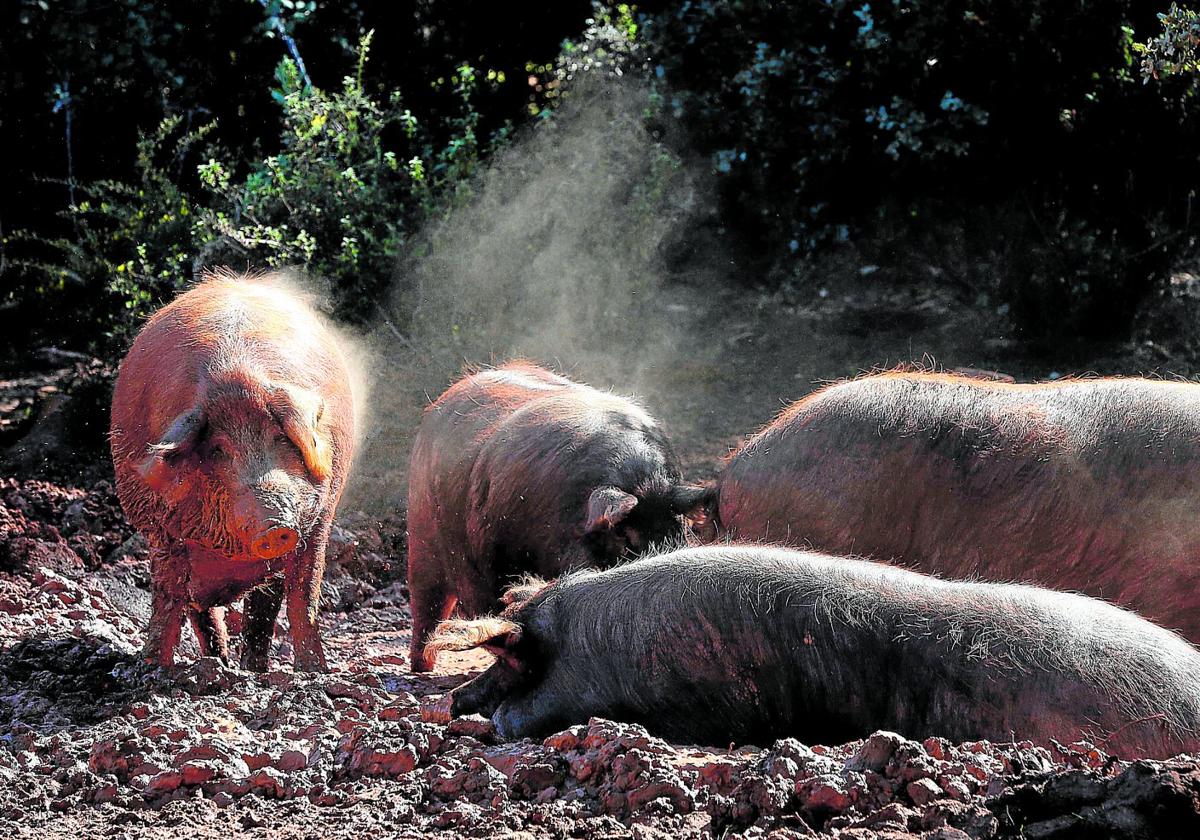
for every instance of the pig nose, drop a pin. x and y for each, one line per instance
(274, 543)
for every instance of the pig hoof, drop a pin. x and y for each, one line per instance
(439, 711)
(254, 662)
(310, 665)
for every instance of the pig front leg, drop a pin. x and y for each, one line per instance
(532, 706)
(536, 714)
(212, 637)
(430, 598)
(429, 603)
(483, 694)
(168, 598)
(479, 696)
(302, 586)
(262, 607)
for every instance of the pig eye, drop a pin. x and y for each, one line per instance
(634, 538)
(217, 453)
(281, 440)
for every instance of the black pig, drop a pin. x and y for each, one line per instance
(748, 644)
(517, 470)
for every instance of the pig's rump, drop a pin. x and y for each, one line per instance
(1088, 486)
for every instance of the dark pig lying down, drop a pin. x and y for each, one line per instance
(728, 644)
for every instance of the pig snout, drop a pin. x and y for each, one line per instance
(274, 542)
(268, 518)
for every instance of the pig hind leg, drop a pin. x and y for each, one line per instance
(432, 603)
(258, 628)
(478, 599)
(211, 635)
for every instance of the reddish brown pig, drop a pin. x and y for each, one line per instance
(517, 470)
(1089, 485)
(232, 434)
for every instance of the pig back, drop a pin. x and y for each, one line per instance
(757, 643)
(453, 430)
(1088, 485)
(519, 447)
(531, 482)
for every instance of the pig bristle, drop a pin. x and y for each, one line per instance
(524, 588)
(227, 273)
(462, 634)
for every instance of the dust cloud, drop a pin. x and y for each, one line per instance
(558, 255)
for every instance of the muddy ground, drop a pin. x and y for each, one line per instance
(94, 744)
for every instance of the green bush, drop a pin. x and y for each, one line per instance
(130, 246)
(354, 174)
(822, 122)
(1174, 49)
(83, 81)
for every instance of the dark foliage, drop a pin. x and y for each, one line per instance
(83, 82)
(825, 121)
(814, 114)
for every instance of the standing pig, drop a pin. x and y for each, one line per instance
(749, 644)
(232, 433)
(1089, 485)
(517, 470)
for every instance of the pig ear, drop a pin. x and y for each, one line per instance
(299, 412)
(698, 506)
(179, 439)
(697, 502)
(497, 636)
(686, 498)
(607, 507)
(523, 590)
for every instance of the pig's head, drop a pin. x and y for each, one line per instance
(546, 676)
(512, 692)
(623, 524)
(246, 470)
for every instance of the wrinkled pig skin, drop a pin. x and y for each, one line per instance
(232, 435)
(723, 644)
(516, 470)
(1083, 485)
